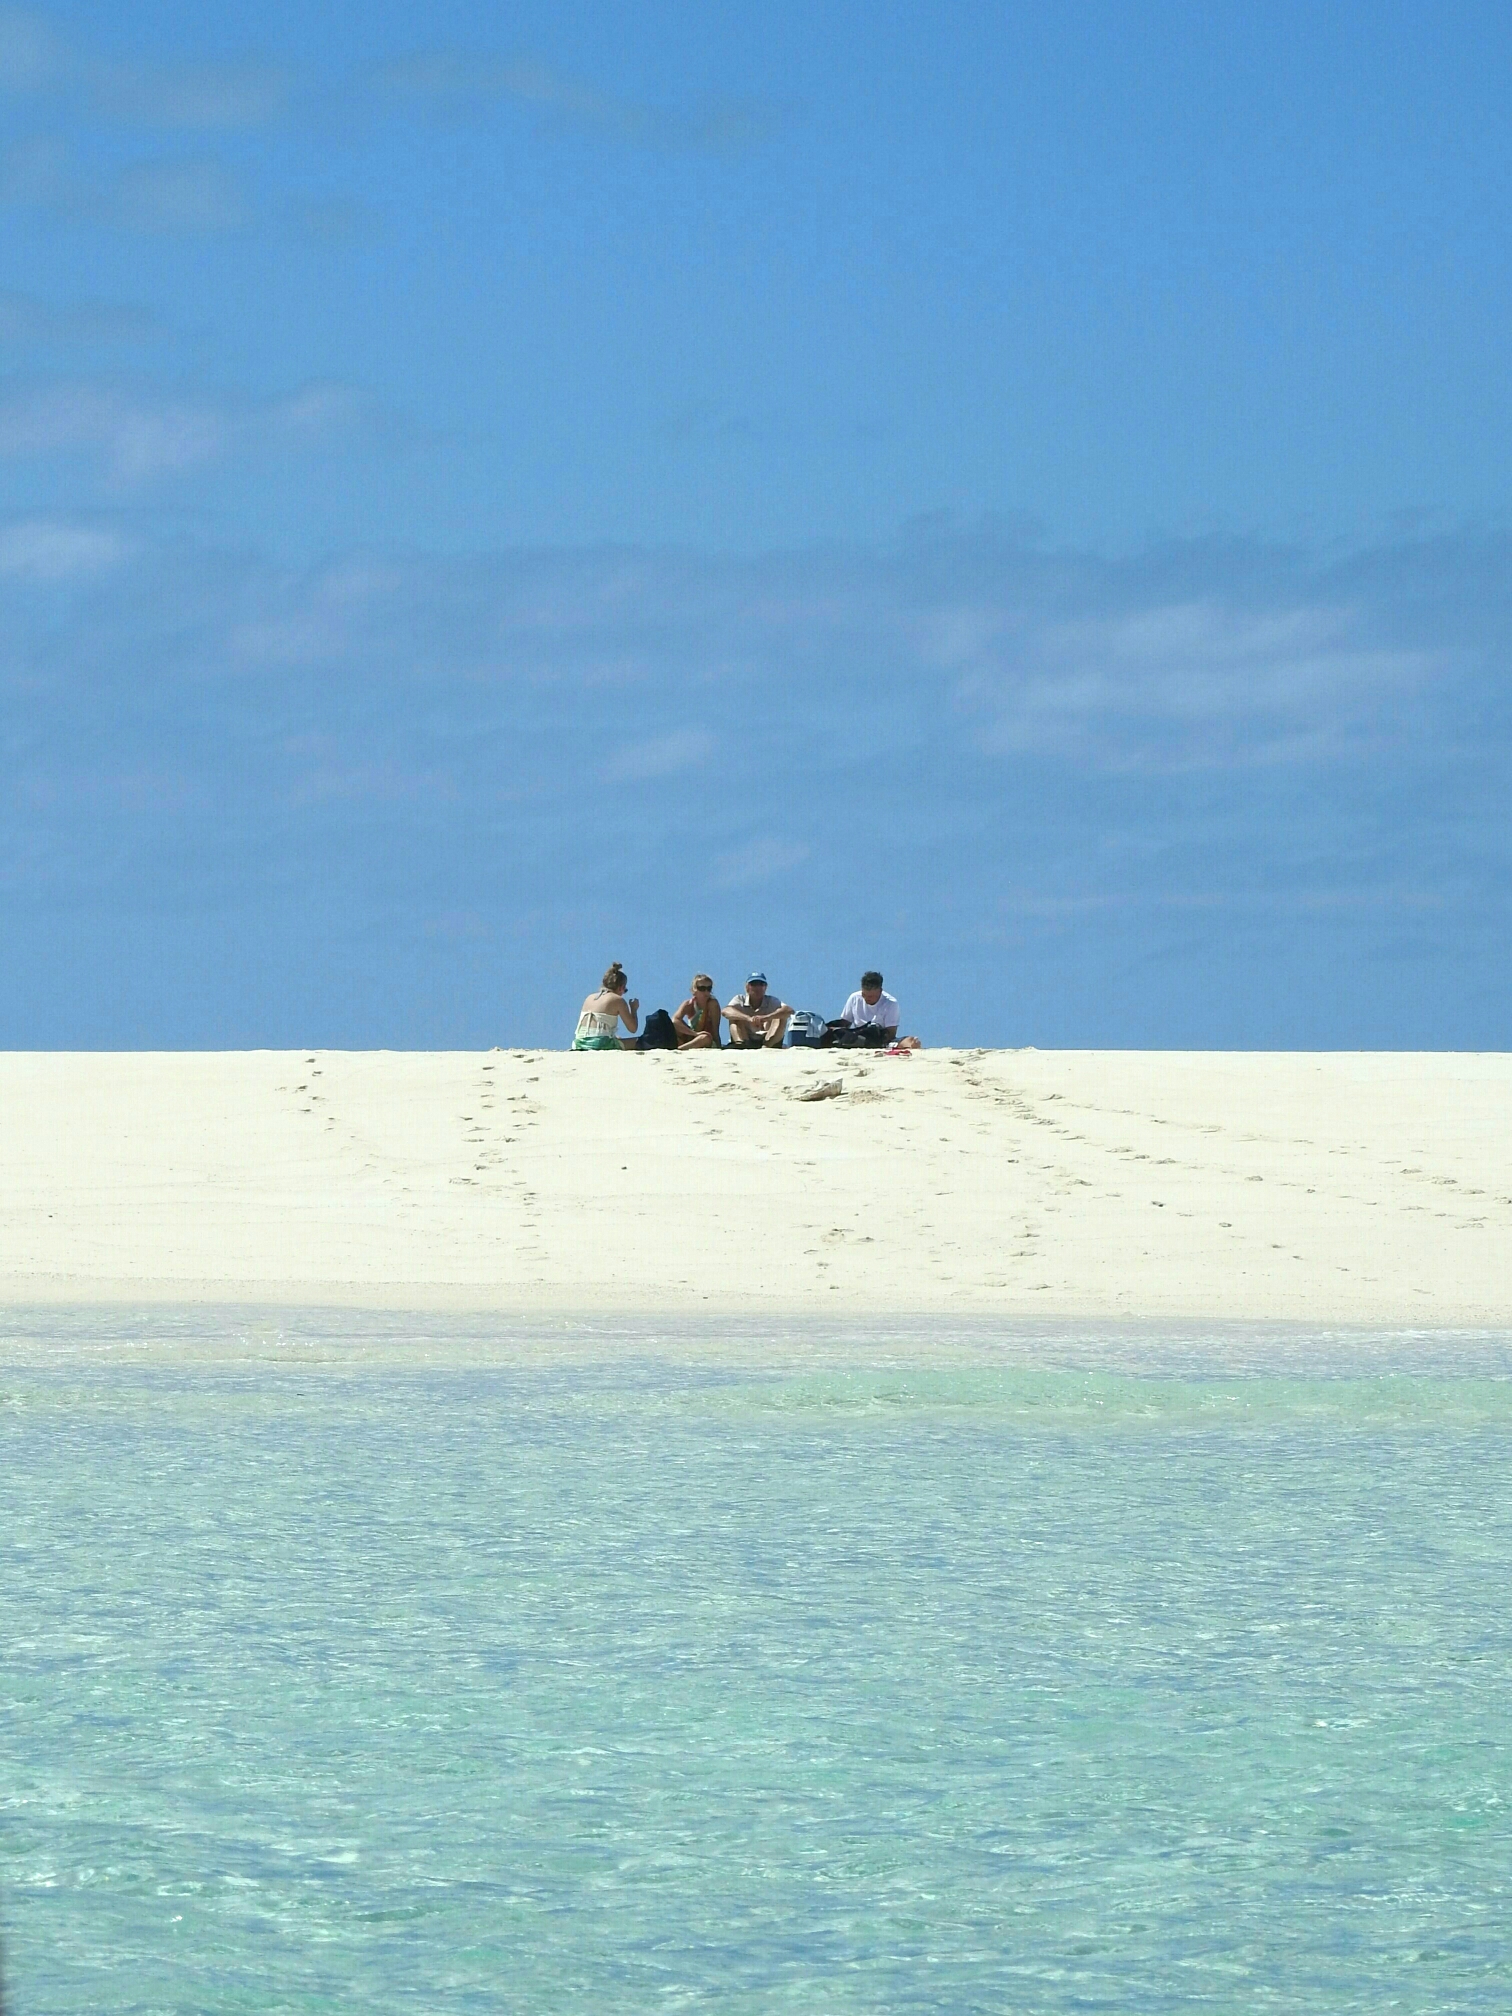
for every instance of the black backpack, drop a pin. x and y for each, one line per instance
(867, 1037)
(658, 1033)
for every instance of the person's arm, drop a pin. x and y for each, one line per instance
(629, 1012)
(682, 1019)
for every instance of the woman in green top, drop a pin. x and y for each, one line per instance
(602, 1013)
(697, 1021)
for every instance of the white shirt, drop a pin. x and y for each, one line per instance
(864, 1014)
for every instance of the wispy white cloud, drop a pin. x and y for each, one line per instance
(76, 103)
(381, 782)
(193, 97)
(37, 174)
(449, 83)
(41, 549)
(322, 618)
(661, 756)
(1180, 685)
(332, 220)
(36, 59)
(172, 197)
(248, 92)
(135, 790)
(33, 56)
(138, 437)
(72, 88)
(133, 438)
(757, 862)
(459, 925)
(177, 197)
(24, 318)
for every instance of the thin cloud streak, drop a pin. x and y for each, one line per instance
(26, 319)
(454, 84)
(662, 756)
(43, 550)
(134, 437)
(35, 60)
(250, 93)
(172, 198)
(758, 862)
(194, 97)
(1194, 684)
(33, 57)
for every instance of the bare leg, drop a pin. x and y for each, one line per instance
(778, 1029)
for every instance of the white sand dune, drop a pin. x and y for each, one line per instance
(1333, 1188)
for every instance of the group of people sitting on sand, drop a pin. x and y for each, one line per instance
(756, 1018)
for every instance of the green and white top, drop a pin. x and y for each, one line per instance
(596, 1031)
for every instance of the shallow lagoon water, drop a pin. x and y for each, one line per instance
(367, 1669)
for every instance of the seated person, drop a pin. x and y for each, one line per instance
(697, 1021)
(603, 1012)
(757, 1019)
(869, 1017)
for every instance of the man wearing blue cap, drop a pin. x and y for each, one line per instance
(757, 1019)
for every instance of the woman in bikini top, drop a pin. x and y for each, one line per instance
(697, 1021)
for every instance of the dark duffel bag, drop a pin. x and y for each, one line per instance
(844, 1037)
(658, 1034)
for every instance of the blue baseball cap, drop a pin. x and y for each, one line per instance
(756, 979)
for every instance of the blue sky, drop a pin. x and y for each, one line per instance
(1016, 496)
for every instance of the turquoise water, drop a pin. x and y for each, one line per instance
(1007, 1685)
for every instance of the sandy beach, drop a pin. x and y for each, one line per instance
(1373, 1189)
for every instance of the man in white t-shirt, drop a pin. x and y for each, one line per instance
(871, 1013)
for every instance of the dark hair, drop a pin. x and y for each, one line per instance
(871, 979)
(614, 979)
